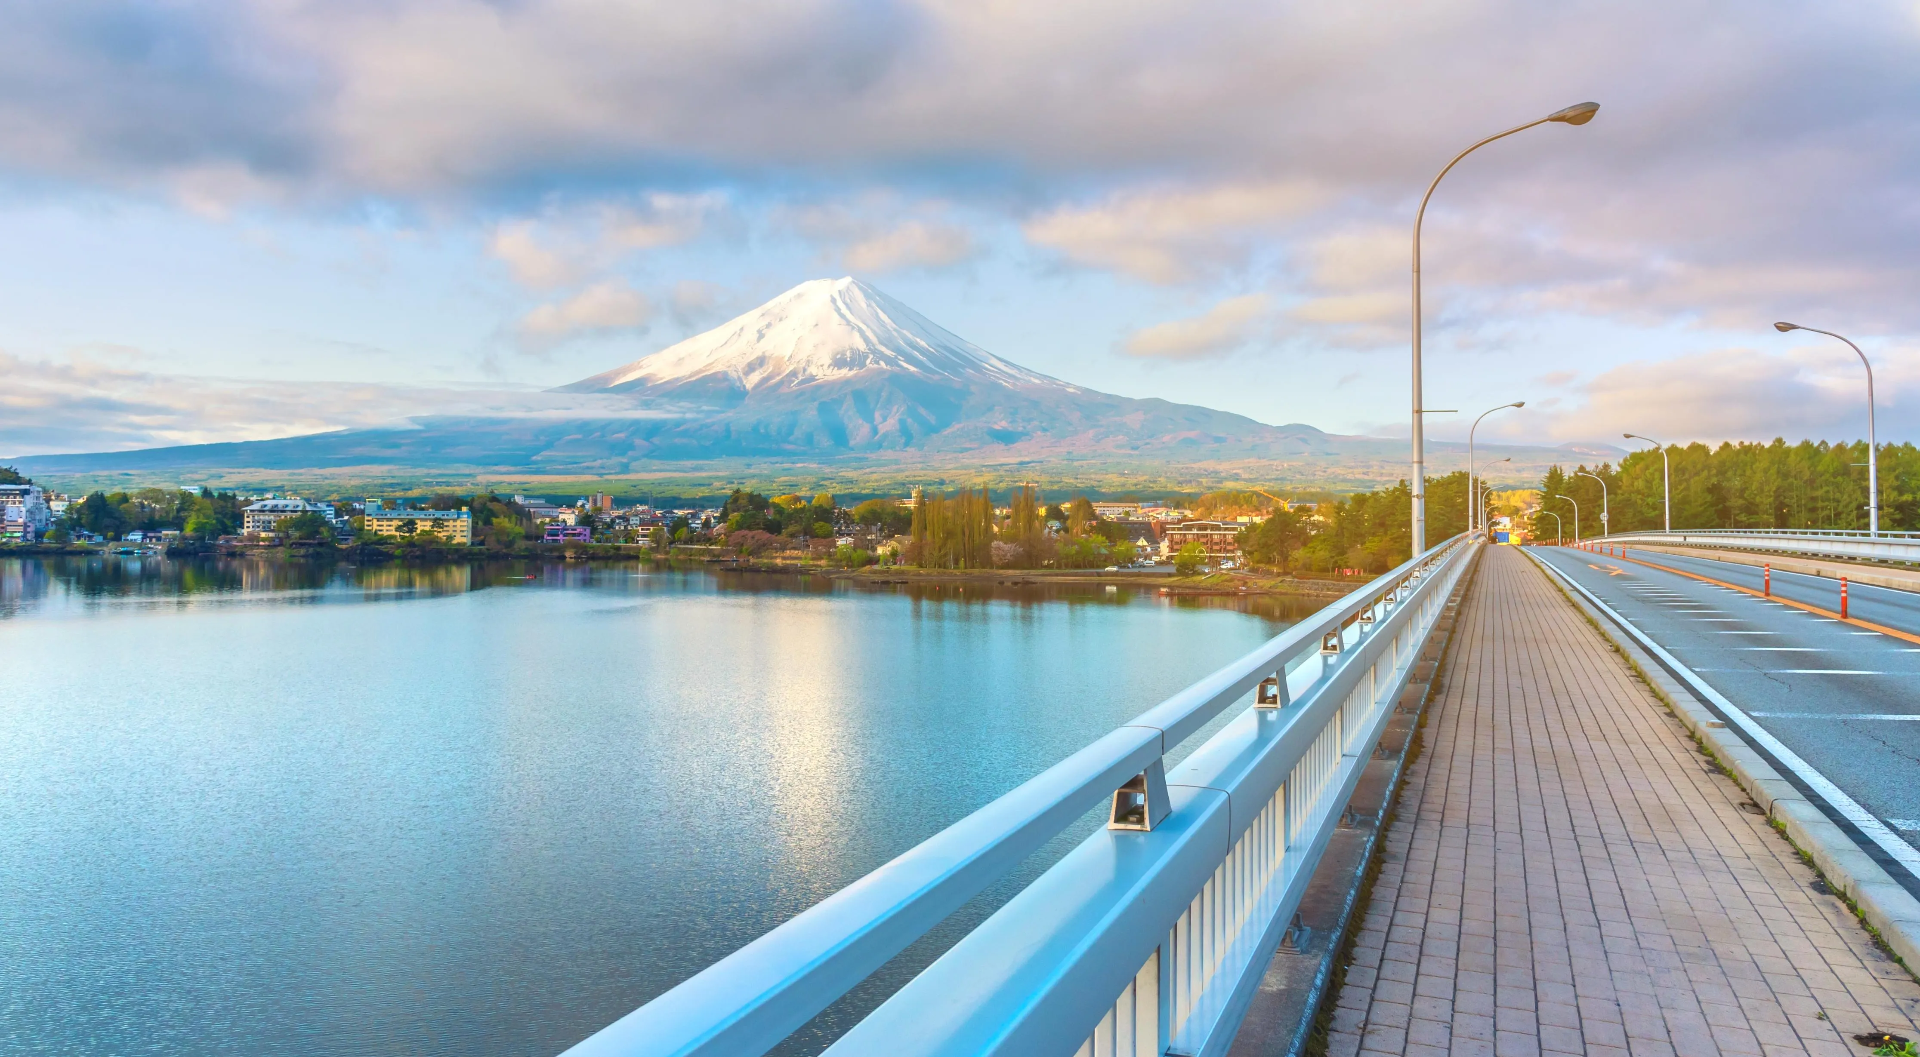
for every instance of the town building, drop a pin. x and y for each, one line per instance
(263, 515)
(453, 526)
(538, 509)
(567, 533)
(24, 514)
(1143, 533)
(1219, 539)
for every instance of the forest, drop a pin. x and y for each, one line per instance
(1747, 485)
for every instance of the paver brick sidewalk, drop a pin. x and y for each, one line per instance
(1566, 874)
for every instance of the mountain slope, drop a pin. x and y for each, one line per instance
(822, 331)
(829, 370)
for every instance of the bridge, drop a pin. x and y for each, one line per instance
(1640, 796)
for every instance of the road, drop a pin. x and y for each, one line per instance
(1845, 698)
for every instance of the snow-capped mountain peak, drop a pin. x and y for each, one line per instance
(822, 330)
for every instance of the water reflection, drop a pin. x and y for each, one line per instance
(252, 808)
(85, 583)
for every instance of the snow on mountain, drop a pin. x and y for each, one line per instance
(824, 330)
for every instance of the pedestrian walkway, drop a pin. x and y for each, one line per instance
(1567, 874)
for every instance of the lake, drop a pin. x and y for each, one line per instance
(256, 808)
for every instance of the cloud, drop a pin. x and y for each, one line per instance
(82, 404)
(915, 244)
(517, 245)
(603, 308)
(1171, 236)
(564, 247)
(1216, 332)
(879, 231)
(1739, 394)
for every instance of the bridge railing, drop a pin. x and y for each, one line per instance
(1154, 932)
(1820, 543)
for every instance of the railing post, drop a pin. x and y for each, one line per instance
(1141, 803)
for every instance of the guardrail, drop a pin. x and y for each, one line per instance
(1825, 543)
(1154, 932)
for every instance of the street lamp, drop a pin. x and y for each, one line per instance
(1476, 425)
(1578, 114)
(1478, 498)
(1576, 517)
(1605, 529)
(1559, 526)
(1666, 476)
(1873, 462)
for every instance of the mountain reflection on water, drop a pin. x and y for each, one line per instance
(261, 808)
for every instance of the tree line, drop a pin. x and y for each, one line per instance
(1812, 484)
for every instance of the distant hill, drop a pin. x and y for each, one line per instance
(831, 371)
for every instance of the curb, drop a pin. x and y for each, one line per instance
(1888, 910)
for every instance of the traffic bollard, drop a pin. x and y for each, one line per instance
(1843, 598)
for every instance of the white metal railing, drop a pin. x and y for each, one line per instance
(1824, 543)
(1153, 932)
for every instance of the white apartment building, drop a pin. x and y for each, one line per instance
(24, 514)
(263, 515)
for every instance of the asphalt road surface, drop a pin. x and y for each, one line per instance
(1846, 699)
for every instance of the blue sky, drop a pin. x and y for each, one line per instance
(272, 218)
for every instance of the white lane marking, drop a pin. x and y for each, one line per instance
(1845, 806)
(1801, 671)
(1892, 716)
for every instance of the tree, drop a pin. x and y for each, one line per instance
(1080, 516)
(1272, 543)
(307, 526)
(408, 527)
(1190, 559)
(953, 532)
(1026, 529)
(851, 557)
(751, 541)
(10, 475)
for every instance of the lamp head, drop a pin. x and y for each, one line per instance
(1577, 114)
(1784, 327)
(1518, 403)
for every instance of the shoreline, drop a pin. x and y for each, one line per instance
(1230, 584)
(1204, 584)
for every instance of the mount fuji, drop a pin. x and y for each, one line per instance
(834, 365)
(830, 373)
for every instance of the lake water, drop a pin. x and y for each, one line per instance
(261, 809)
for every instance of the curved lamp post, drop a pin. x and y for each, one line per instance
(1578, 114)
(1604, 528)
(1873, 462)
(1666, 476)
(1479, 496)
(1576, 517)
(1559, 526)
(1476, 425)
